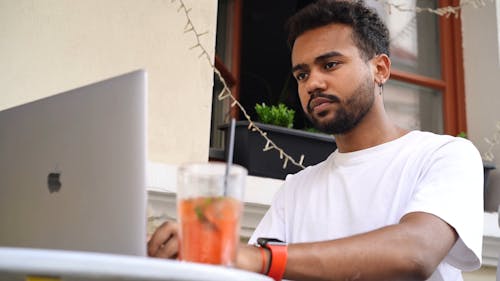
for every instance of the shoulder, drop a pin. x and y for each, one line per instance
(442, 144)
(443, 159)
(429, 138)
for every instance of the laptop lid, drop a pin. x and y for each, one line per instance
(72, 169)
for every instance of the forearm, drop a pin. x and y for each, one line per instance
(398, 252)
(371, 256)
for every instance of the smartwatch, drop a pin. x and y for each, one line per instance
(279, 254)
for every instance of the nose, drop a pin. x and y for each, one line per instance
(315, 83)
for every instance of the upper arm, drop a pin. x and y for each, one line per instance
(451, 190)
(431, 238)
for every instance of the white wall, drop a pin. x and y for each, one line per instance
(482, 84)
(480, 30)
(52, 46)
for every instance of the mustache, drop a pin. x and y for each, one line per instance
(332, 98)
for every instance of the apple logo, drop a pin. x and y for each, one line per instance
(54, 182)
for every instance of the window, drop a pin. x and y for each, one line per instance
(426, 88)
(227, 61)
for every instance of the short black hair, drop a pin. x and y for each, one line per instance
(370, 34)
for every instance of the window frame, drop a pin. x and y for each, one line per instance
(452, 72)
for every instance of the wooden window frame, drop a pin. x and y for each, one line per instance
(452, 72)
(231, 74)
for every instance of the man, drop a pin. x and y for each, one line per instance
(388, 204)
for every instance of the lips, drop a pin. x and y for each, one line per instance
(319, 103)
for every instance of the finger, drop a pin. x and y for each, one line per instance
(161, 236)
(170, 249)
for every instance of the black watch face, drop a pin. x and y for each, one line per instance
(263, 241)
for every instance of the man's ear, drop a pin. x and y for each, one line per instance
(382, 68)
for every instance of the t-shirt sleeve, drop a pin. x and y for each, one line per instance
(452, 188)
(273, 223)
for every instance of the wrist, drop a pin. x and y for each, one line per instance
(265, 258)
(275, 256)
(249, 258)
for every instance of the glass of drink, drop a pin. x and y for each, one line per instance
(209, 207)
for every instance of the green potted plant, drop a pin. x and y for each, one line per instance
(279, 115)
(277, 122)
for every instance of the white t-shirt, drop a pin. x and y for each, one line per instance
(356, 192)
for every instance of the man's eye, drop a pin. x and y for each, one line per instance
(331, 64)
(301, 76)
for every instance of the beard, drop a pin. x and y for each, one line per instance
(349, 113)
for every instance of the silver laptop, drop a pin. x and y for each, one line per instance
(72, 169)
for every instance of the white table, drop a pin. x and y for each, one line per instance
(17, 263)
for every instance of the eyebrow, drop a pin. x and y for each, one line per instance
(318, 59)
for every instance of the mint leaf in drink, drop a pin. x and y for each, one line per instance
(202, 217)
(199, 213)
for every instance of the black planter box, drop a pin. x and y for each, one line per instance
(487, 167)
(249, 145)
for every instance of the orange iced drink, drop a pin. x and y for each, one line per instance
(209, 229)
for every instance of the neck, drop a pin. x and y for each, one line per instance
(376, 128)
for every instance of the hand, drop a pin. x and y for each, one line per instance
(164, 242)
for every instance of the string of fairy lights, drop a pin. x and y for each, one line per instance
(226, 93)
(494, 140)
(442, 11)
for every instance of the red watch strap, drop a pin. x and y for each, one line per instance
(279, 254)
